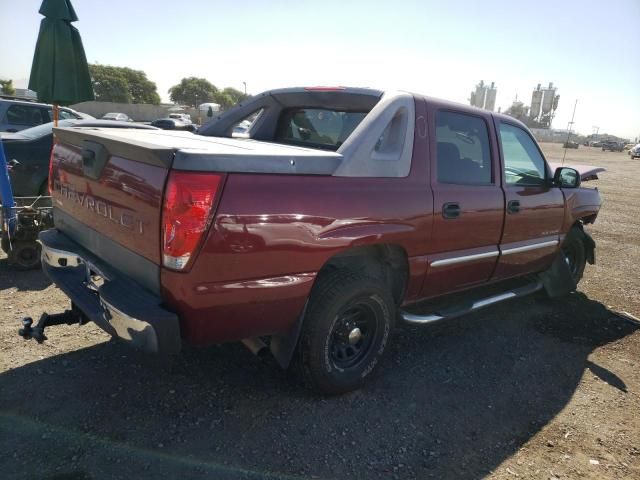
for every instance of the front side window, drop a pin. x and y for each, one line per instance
(316, 127)
(463, 152)
(66, 115)
(523, 163)
(25, 115)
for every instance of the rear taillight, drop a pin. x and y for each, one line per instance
(188, 208)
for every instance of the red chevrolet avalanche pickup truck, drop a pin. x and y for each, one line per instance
(337, 213)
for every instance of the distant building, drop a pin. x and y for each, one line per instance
(484, 96)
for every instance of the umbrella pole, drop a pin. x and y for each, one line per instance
(56, 114)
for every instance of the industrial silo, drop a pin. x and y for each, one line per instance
(490, 99)
(536, 103)
(547, 101)
(477, 98)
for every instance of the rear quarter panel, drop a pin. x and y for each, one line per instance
(270, 237)
(273, 233)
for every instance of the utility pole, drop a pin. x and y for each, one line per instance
(245, 87)
(569, 127)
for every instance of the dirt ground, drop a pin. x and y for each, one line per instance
(529, 389)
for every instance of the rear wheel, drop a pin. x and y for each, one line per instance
(345, 331)
(574, 253)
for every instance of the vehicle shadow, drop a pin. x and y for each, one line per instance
(452, 400)
(30, 280)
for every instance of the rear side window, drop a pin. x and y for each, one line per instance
(25, 115)
(463, 152)
(523, 163)
(242, 129)
(317, 128)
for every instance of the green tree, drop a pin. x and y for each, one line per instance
(122, 85)
(6, 87)
(109, 84)
(193, 91)
(235, 94)
(142, 89)
(224, 100)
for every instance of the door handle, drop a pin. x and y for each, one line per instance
(451, 210)
(513, 206)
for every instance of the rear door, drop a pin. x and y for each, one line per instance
(535, 209)
(468, 200)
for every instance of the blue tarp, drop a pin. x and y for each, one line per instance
(6, 194)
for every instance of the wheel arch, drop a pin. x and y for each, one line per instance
(385, 260)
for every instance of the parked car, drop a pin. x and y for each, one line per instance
(173, 124)
(629, 146)
(28, 153)
(183, 117)
(635, 152)
(570, 144)
(17, 115)
(344, 211)
(612, 146)
(118, 117)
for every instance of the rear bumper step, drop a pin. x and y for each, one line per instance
(456, 311)
(115, 303)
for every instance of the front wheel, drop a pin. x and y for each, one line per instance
(345, 331)
(574, 253)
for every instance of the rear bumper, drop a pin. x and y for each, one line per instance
(115, 303)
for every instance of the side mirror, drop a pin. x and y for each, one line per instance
(566, 177)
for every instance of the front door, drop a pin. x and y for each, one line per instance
(468, 200)
(535, 209)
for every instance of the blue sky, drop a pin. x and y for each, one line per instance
(588, 49)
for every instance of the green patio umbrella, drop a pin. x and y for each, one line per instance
(60, 74)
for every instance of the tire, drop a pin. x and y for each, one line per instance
(575, 253)
(345, 331)
(25, 255)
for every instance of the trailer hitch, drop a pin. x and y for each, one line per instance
(68, 317)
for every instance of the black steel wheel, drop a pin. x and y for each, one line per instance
(352, 335)
(346, 328)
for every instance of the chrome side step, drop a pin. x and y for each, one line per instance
(478, 304)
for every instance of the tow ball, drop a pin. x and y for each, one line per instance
(68, 317)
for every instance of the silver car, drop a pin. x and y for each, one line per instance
(118, 117)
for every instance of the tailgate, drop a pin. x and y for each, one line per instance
(107, 196)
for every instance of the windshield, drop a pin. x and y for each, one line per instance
(44, 129)
(317, 128)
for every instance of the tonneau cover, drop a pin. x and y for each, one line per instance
(186, 151)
